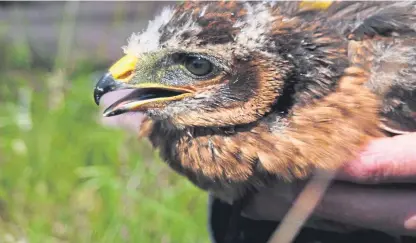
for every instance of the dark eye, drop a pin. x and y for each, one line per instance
(198, 66)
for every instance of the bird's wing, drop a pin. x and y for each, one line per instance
(385, 42)
(394, 77)
(382, 37)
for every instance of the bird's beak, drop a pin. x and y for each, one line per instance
(117, 77)
(144, 95)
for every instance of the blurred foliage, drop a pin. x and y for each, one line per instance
(66, 178)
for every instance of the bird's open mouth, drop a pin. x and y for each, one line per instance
(143, 95)
(144, 98)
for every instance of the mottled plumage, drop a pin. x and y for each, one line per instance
(290, 88)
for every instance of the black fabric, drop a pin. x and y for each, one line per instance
(220, 215)
(259, 231)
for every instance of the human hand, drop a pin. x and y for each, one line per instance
(360, 196)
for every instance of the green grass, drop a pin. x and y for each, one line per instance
(66, 178)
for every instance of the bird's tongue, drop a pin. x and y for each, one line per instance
(130, 121)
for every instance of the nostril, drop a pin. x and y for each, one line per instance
(126, 74)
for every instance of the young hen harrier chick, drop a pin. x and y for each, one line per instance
(238, 95)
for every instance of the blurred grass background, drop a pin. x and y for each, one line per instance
(64, 177)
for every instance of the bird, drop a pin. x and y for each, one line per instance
(240, 95)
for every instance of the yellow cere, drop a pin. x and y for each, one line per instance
(319, 5)
(123, 68)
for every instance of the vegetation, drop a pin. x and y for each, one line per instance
(66, 178)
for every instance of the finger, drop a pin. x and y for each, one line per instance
(272, 203)
(386, 209)
(391, 209)
(385, 160)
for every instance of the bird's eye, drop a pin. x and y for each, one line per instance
(198, 66)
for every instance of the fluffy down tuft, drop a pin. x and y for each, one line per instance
(149, 39)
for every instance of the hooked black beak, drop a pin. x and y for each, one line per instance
(117, 77)
(106, 84)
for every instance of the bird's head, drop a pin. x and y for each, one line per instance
(207, 64)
